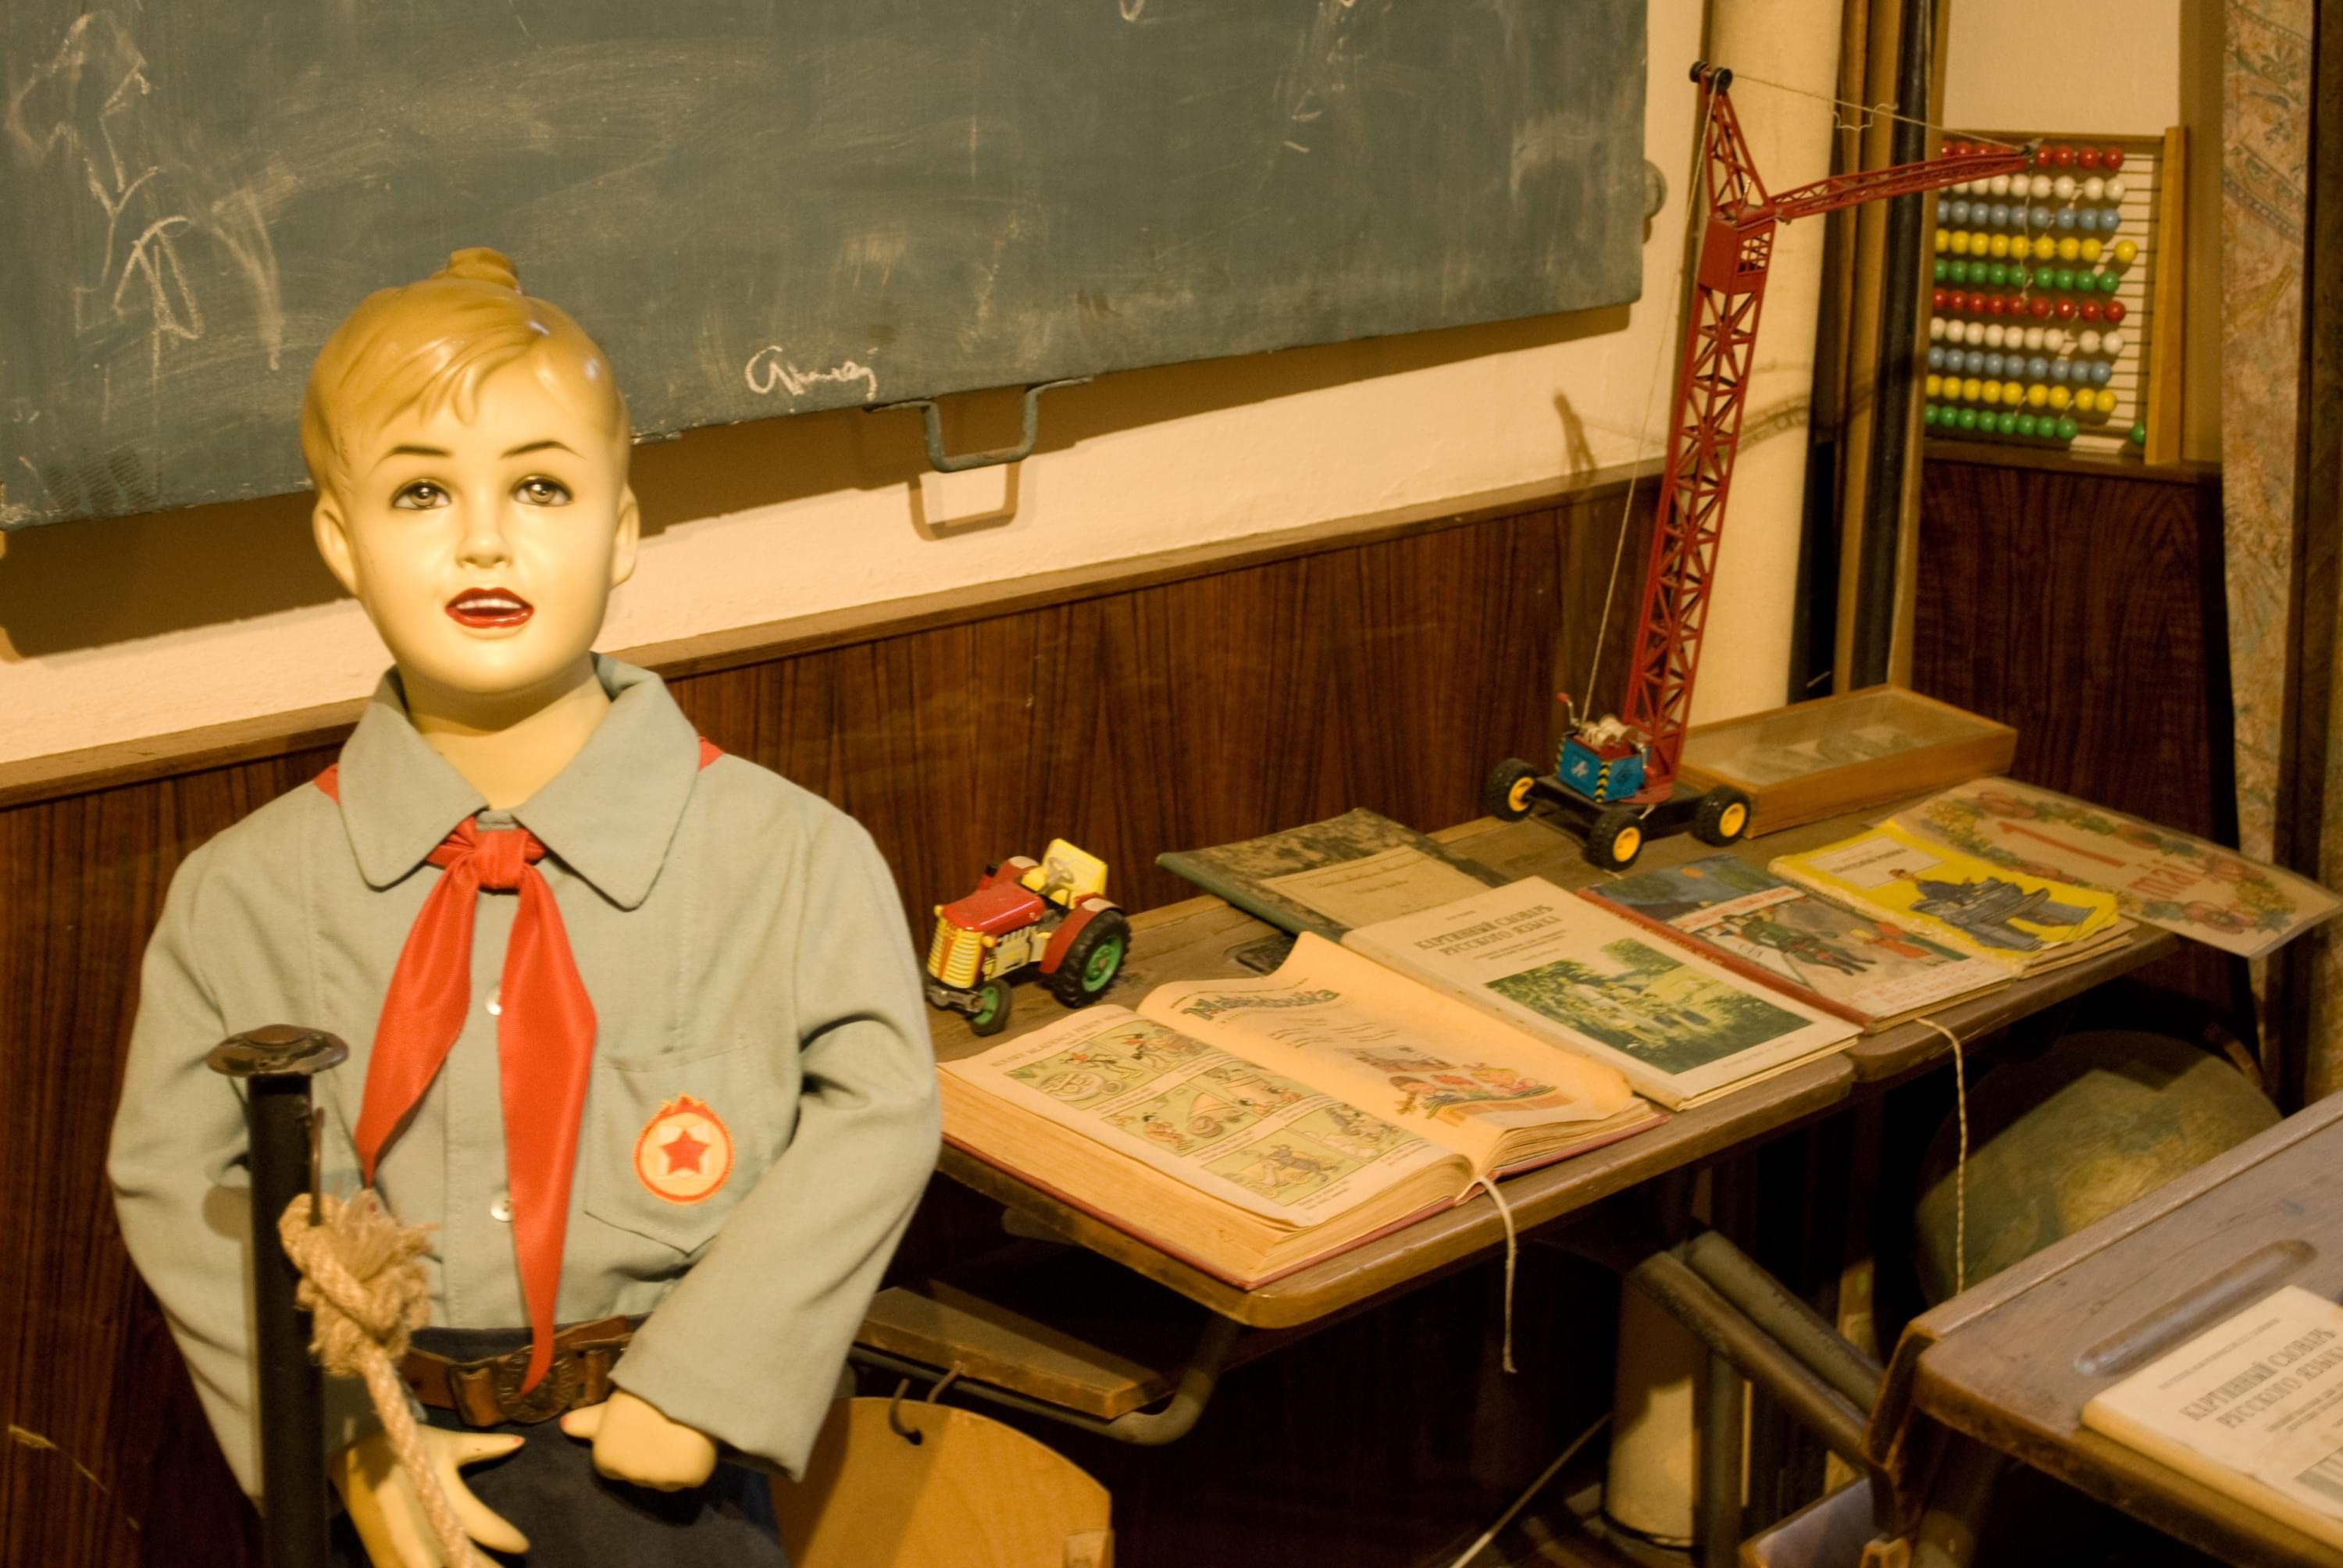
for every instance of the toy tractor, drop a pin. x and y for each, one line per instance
(1052, 915)
(1608, 785)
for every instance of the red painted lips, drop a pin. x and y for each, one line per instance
(489, 606)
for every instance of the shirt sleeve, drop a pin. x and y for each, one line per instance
(181, 1191)
(747, 1349)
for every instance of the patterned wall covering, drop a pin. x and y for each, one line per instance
(2266, 94)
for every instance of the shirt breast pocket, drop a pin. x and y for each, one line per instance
(675, 1142)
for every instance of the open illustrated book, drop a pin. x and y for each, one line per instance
(1679, 1030)
(1862, 968)
(2025, 923)
(1253, 1126)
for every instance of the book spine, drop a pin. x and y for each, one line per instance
(1241, 894)
(1734, 962)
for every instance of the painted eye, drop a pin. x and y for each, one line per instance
(420, 497)
(539, 492)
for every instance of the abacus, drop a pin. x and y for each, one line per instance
(2046, 293)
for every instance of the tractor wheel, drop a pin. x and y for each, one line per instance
(1724, 815)
(1092, 960)
(1616, 839)
(993, 1000)
(1507, 794)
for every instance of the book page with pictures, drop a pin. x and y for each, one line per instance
(1857, 965)
(2023, 922)
(1268, 1144)
(2160, 875)
(2253, 1406)
(1678, 1028)
(1349, 1027)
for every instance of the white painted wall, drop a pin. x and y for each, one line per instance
(2083, 67)
(1183, 454)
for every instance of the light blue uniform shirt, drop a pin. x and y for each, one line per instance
(743, 946)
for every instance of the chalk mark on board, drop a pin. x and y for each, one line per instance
(91, 85)
(1131, 9)
(770, 369)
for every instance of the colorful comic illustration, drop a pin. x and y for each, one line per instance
(1639, 1000)
(1100, 1069)
(1289, 1165)
(2168, 879)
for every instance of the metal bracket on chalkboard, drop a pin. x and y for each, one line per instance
(943, 463)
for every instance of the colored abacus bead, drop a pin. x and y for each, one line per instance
(1937, 328)
(2070, 249)
(2045, 250)
(2038, 368)
(2062, 157)
(2035, 338)
(1998, 215)
(2060, 370)
(1997, 185)
(2064, 310)
(1934, 386)
(2067, 218)
(2108, 282)
(2037, 396)
(2088, 310)
(2118, 190)
(2114, 311)
(2090, 343)
(2092, 249)
(1939, 270)
(1957, 214)
(1965, 419)
(2060, 399)
(1944, 241)
(2063, 187)
(2038, 307)
(2087, 157)
(2102, 373)
(2068, 429)
(2094, 189)
(2111, 159)
(1928, 414)
(2025, 424)
(2139, 435)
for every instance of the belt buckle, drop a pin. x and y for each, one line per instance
(556, 1392)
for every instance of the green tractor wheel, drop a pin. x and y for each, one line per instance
(1092, 960)
(993, 999)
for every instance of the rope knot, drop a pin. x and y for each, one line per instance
(361, 1278)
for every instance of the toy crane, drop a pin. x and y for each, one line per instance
(1615, 778)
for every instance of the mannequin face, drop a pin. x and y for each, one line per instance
(485, 550)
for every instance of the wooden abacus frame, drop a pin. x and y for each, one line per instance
(2147, 371)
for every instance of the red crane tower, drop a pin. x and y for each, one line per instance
(1615, 778)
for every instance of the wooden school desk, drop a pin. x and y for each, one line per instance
(2004, 1365)
(1010, 1354)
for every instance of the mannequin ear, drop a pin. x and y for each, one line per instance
(631, 533)
(333, 537)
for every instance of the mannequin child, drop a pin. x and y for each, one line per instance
(634, 1025)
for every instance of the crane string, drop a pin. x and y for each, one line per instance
(1693, 185)
(1885, 110)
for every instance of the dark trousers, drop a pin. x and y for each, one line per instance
(576, 1519)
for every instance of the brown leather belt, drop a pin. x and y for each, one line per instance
(488, 1392)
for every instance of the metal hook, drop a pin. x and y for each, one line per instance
(909, 1435)
(945, 1381)
(943, 462)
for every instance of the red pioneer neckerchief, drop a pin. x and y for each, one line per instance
(545, 1040)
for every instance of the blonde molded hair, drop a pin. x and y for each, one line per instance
(431, 345)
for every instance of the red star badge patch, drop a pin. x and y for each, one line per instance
(685, 1153)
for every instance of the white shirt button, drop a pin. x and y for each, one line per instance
(501, 1209)
(497, 1001)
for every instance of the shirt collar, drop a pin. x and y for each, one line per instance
(609, 816)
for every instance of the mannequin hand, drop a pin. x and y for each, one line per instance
(388, 1514)
(633, 1441)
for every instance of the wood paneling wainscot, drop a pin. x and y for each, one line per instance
(1180, 700)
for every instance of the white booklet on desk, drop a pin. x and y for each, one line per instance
(2253, 1408)
(1680, 1030)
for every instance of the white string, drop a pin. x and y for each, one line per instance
(1961, 1167)
(1885, 110)
(1694, 206)
(1534, 1488)
(1512, 1255)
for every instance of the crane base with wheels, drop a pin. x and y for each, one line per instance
(1616, 832)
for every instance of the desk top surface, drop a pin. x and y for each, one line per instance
(2004, 1362)
(1199, 938)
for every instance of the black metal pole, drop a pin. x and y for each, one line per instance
(1899, 307)
(275, 1064)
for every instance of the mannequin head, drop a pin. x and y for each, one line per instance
(468, 446)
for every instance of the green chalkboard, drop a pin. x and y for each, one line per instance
(765, 209)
